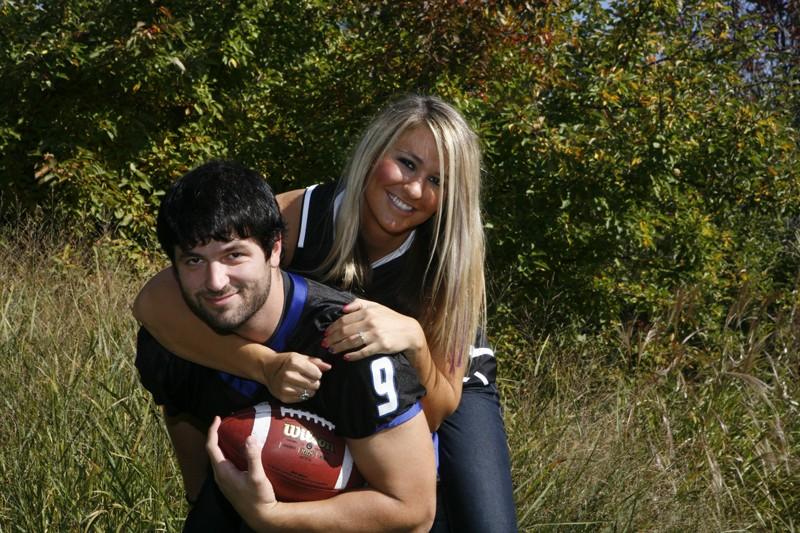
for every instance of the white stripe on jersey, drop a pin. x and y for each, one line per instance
(481, 377)
(477, 352)
(261, 422)
(337, 203)
(397, 253)
(304, 220)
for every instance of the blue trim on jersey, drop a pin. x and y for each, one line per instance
(402, 418)
(297, 301)
(289, 323)
(435, 436)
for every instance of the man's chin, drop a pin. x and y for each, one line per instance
(220, 326)
(217, 323)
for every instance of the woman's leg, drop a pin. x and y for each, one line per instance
(474, 465)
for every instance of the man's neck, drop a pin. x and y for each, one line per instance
(263, 324)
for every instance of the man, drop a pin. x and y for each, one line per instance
(221, 228)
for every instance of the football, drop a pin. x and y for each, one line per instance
(303, 458)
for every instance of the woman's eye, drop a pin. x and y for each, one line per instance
(434, 180)
(409, 164)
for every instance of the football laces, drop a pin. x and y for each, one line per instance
(301, 414)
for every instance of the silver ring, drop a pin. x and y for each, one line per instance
(304, 395)
(361, 336)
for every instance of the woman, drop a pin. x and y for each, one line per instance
(402, 228)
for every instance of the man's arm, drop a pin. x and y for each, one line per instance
(398, 465)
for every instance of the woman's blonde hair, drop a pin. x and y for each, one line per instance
(452, 309)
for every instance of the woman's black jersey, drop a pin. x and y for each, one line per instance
(395, 279)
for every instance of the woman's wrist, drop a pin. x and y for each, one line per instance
(267, 364)
(418, 346)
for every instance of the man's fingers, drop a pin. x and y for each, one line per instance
(308, 367)
(252, 450)
(212, 442)
(321, 365)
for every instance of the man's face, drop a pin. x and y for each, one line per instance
(224, 283)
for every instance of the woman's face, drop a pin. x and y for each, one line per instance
(402, 190)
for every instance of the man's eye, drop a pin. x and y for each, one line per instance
(191, 261)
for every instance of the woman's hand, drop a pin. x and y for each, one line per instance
(368, 328)
(293, 377)
(250, 491)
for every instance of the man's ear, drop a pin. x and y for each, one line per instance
(275, 255)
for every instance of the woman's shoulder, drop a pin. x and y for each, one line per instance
(302, 208)
(313, 220)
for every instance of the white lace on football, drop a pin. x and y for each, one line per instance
(299, 413)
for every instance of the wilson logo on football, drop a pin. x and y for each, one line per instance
(300, 433)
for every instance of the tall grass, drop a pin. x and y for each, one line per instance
(82, 446)
(659, 426)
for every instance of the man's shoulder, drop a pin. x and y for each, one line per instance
(320, 307)
(321, 294)
(324, 303)
(370, 394)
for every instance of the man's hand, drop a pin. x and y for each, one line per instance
(292, 377)
(249, 492)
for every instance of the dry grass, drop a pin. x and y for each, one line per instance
(658, 427)
(83, 448)
(651, 430)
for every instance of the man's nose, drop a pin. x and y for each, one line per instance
(216, 277)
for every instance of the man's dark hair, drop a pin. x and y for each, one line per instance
(221, 201)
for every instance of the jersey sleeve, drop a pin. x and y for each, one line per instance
(315, 236)
(373, 394)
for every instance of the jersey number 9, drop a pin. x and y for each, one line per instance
(384, 385)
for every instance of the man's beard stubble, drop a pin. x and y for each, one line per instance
(254, 296)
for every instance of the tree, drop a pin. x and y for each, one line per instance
(633, 148)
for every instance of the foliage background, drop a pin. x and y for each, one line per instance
(632, 148)
(641, 162)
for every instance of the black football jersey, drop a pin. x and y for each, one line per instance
(360, 398)
(390, 283)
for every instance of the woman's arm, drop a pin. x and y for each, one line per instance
(160, 308)
(369, 328)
